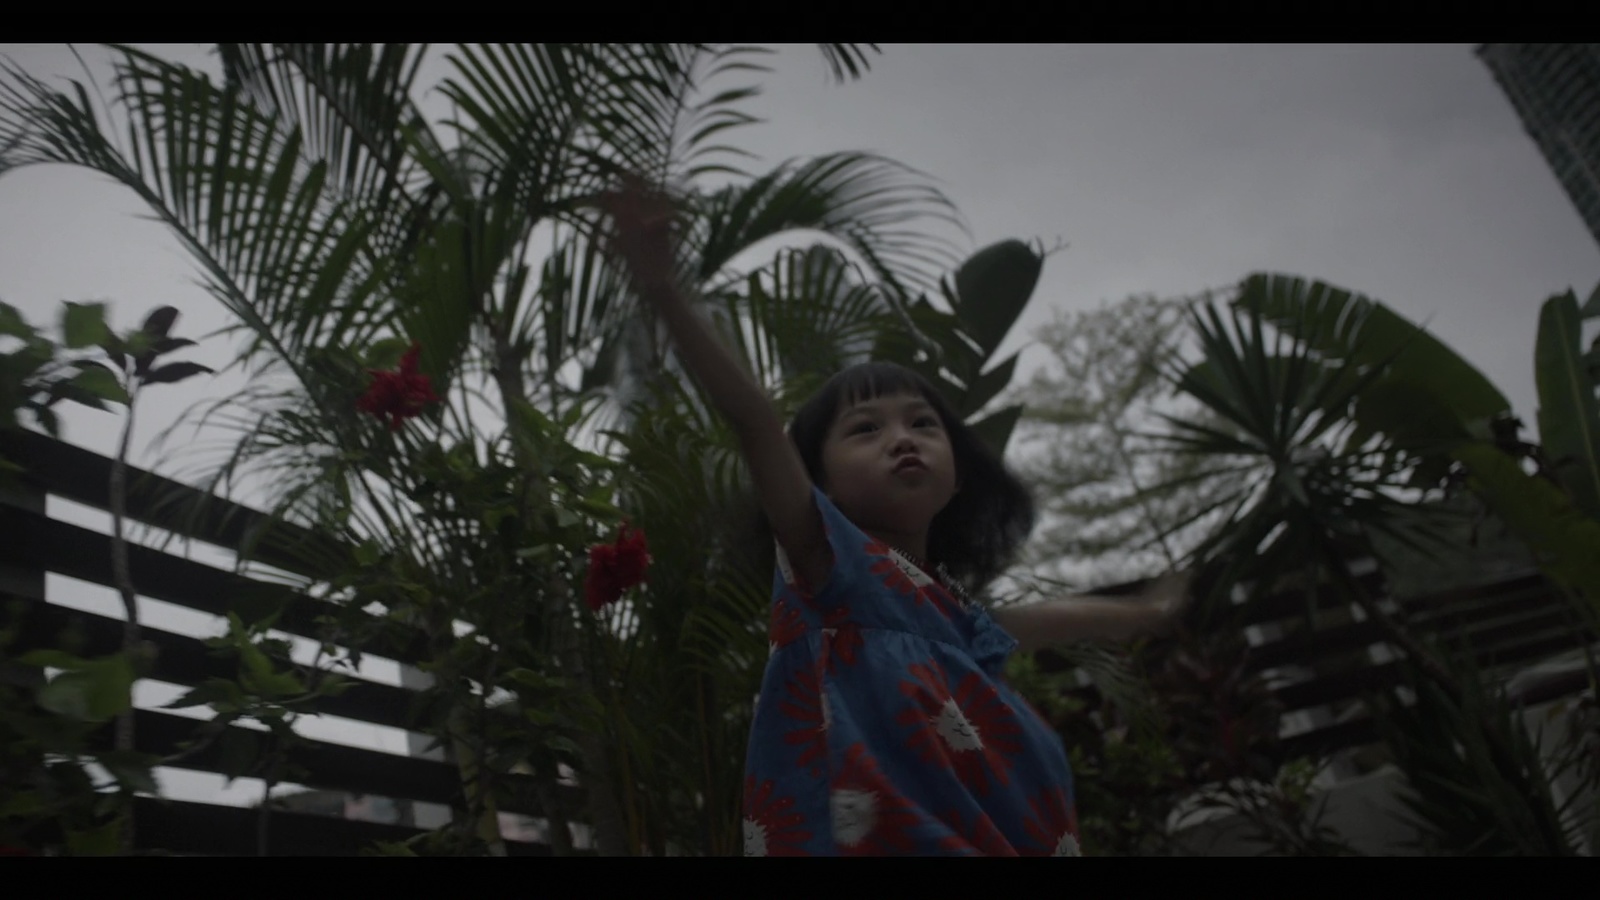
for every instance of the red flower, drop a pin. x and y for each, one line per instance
(770, 828)
(615, 567)
(971, 730)
(398, 395)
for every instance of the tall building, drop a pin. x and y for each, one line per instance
(1555, 88)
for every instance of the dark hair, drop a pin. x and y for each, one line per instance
(975, 535)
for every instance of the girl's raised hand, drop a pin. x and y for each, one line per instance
(1167, 597)
(643, 217)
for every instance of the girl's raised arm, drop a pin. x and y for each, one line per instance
(643, 220)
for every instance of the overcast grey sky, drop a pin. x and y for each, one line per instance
(1397, 170)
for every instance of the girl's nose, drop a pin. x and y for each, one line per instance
(902, 444)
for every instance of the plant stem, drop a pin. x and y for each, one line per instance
(124, 737)
(607, 819)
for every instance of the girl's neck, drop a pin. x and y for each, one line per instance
(914, 546)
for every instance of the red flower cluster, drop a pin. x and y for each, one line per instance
(615, 567)
(398, 395)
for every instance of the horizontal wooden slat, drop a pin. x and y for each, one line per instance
(203, 829)
(187, 661)
(44, 543)
(82, 476)
(332, 766)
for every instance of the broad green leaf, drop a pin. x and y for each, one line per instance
(132, 770)
(995, 429)
(993, 287)
(385, 354)
(101, 383)
(84, 325)
(172, 372)
(95, 693)
(1341, 324)
(1591, 306)
(239, 749)
(1569, 415)
(1410, 415)
(988, 386)
(13, 325)
(159, 322)
(1539, 513)
(368, 552)
(215, 690)
(101, 840)
(52, 659)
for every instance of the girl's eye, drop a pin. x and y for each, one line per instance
(862, 427)
(926, 421)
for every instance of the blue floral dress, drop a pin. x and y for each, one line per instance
(884, 726)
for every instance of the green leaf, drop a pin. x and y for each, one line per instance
(52, 659)
(995, 429)
(101, 383)
(95, 693)
(368, 552)
(47, 421)
(1569, 415)
(1591, 306)
(159, 322)
(385, 354)
(215, 690)
(1343, 325)
(101, 840)
(132, 770)
(172, 372)
(84, 325)
(12, 324)
(1411, 415)
(1539, 513)
(168, 345)
(988, 386)
(993, 286)
(238, 751)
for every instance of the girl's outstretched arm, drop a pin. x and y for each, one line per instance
(643, 220)
(1047, 623)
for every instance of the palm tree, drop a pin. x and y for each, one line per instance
(337, 223)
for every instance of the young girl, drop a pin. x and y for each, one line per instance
(883, 726)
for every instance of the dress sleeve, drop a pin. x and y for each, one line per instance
(846, 543)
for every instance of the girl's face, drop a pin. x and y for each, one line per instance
(888, 463)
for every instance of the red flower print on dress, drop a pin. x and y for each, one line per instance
(842, 636)
(983, 838)
(1053, 827)
(971, 730)
(905, 578)
(870, 818)
(770, 829)
(808, 705)
(785, 626)
(888, 568)
(398, 395)
(615, 567)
